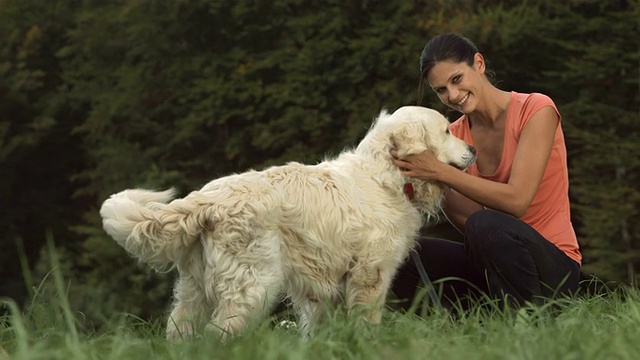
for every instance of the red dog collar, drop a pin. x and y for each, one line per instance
(408, 190)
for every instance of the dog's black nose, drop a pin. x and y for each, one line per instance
(472, 149)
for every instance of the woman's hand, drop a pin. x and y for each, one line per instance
(423, 166)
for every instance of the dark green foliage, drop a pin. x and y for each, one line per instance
(597, 87)
(38, 152)
(96, 97)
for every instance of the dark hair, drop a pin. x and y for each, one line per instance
(447, 46)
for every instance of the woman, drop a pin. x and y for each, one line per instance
(512, 205)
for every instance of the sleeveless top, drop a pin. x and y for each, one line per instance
(549, 212)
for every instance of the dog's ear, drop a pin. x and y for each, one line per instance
(409, 138)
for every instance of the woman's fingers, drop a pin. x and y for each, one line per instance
(401, 163)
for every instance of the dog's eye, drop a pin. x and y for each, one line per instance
(448, 132)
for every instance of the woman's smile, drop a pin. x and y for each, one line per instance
(461, 103)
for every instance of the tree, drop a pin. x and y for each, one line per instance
(38, 155)
(600, 80)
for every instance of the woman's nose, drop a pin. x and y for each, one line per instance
(453, 94)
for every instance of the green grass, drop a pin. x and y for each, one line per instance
(596, 327)
(601, 327)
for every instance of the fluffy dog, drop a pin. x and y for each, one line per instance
(336, 231)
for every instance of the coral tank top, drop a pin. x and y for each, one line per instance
(549, 212)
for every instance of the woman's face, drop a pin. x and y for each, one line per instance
(458, 85)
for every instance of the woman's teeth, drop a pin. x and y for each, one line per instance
(464, 99)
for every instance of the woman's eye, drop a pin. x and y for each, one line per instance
(456, 79)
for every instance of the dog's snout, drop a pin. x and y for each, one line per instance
(472, 149)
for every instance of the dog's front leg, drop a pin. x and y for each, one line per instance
(309, 312)
(366, 290)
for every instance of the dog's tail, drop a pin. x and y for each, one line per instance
(147, 227)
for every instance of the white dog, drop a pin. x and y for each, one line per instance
(336, 231)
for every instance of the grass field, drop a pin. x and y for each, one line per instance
(600, 327)
(605, 326)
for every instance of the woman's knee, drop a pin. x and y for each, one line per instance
(487, 231)
(486, 219)
(483, 224)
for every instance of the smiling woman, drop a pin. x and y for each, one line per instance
(512, 205)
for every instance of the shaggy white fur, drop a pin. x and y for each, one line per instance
(332, 232)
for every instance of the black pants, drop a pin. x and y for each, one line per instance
(501, 256)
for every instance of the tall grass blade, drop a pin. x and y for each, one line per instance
(60, 290)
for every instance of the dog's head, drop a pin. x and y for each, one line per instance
(412, 130)
(416, 129)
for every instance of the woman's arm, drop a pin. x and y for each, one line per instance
(529, 164)
(458, 208)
